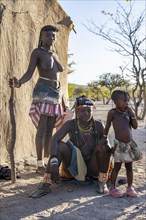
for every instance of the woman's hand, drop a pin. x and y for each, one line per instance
(14, 82)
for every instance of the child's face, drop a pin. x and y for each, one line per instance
(48, 38)
(122, 102)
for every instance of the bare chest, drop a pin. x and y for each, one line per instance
(121, 118)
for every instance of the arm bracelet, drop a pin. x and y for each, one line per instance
(105, 136)
(133, 117)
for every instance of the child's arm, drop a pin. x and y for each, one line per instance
(108, 122)
(133, 120)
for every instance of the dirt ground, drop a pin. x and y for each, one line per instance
(73, 200)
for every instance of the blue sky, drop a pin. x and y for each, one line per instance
(89, 51)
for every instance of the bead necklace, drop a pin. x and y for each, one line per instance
(121, 111)
(46, 49)
(124, 114)
(85, 130)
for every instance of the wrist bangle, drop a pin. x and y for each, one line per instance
(133, 117)
(53, 161)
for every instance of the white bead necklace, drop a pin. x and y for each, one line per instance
(46, 49)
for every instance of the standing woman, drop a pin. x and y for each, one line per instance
(47, 99)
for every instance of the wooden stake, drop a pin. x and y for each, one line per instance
(13, 136)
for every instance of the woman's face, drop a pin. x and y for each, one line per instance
(48, 38)
(85, 113)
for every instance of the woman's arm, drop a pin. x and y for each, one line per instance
(14, 82)
(31, 67)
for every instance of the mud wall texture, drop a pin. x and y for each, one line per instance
(20, 24)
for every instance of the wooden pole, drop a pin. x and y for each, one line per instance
(13, 136)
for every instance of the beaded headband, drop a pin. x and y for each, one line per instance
(83, 101)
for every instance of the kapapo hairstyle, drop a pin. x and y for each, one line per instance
(46, 28)
(118, 93)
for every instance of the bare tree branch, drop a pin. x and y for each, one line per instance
(127, 39)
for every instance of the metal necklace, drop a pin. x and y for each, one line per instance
(86, 132)
(86, 142)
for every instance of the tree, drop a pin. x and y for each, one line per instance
(129, 41)
(77, 90)
(98, 92)
(71, 90)
(110, 81)
(70, 64)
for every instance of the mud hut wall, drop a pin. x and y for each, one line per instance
(21, 21)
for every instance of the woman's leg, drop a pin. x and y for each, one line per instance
(100, 160)
(63, 155)
(44, 135)
(39, 140)
(48, 134)
(99, 166)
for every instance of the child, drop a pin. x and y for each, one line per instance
(126, 151)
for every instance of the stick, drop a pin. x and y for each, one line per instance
(13, 136)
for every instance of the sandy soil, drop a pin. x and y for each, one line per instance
(72, 200)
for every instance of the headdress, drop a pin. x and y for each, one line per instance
(83, 101)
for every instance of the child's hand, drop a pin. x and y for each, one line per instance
(130, 111)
